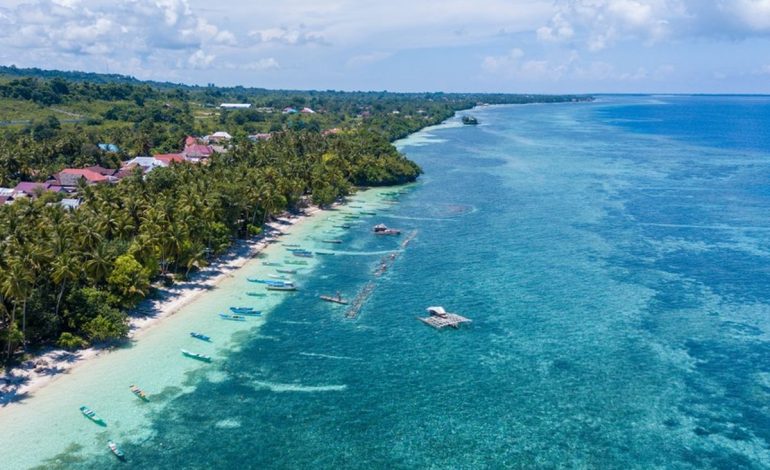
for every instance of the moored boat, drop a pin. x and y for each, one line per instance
(250, 313)
(337, 299)
(297, 262)
(194, 355)
(332, 241)
(138, 392)
(266, 263)
(303, 254)
(281, 288)
(232, 317)
(241, 309)
(324, 253)
(287, 271)
(116, 450)
(278, 276)
(256, 294)
(91, 414)
(382, 229)
(200, 336)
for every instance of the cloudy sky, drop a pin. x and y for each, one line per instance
(554, 46)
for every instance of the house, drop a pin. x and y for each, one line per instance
(235, 105)
(266, 109)
(197, 152)
(112, 148)
(126, 170)
(69, 177)
(307, 111)
(69, 203)
(101, 170)
(289, 110)
(168, 158)
(260, 136)
(219, 136)
(31, 189)
(147, 164)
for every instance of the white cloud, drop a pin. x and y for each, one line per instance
(200, 59)
(286, 36)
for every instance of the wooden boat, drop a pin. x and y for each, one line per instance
(138, 392)
(266, 263)
(303, 254)
(250, 313)
(281, 288)
(200, 336)
(254, 279)
(367, 213)
(343, 226)
(198, 356)
(332, 241)
(336, 299)
(91, 414)
(256, 294)
(290, 244)
(241, 309)
(297, 262)
(115, 450)
(324, 253)
(287, 271)
(228, 316)
(382, 229)
(278, 276)
(297, 250)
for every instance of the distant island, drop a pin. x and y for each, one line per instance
(110, 186)
(470, 120)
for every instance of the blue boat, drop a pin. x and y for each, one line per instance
(253, 279)
(250, 313)
(200, 336)
(279, 283)
(227, 316)
(241, 309)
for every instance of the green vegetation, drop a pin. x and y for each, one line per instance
(67, 277)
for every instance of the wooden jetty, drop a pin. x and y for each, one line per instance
(440, 318)
(360, 299)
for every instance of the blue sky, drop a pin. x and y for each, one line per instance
(552, 46)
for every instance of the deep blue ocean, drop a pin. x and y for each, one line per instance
(615, 260)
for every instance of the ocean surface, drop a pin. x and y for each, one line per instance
(614, 258)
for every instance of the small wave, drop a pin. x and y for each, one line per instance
(328, 356)
(280, 388)
(228, 424)
(292, 322)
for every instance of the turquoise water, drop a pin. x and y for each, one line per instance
(614, 259)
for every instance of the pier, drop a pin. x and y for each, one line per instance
(360, 299)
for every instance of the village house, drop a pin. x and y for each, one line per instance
(219, 136)
(32, 189)
(70, 177)
(235, 105)
(307, 111)
(289, 110)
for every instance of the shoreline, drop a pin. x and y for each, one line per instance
(21, 382)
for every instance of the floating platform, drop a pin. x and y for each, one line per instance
(439, 318)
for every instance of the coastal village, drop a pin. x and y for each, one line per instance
(195, 150)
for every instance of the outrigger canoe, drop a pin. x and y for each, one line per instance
(198, 356)
(115, 450)
(138, 392)
(91, 414)
(200, 336)
(256, 294)
(281, 288)
(227, 316)
(242, 309)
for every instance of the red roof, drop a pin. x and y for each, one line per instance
(90, 175)
(101, 170)
(168, 158)
(197, 150)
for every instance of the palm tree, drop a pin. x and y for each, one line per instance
(17, 286)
